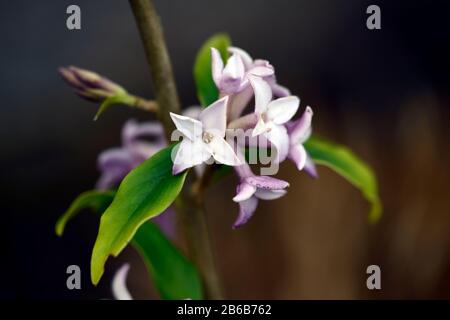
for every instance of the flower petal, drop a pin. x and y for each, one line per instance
(133, 130)
(190, 128)
(266, 182)
(110, 179)
(141, 150)
(244, 191)
(281, 110)
(114, 158)
(222, 151)
(301, 129)
(119, 286)
(279, 90)
(297, 154)
(192, 112)
(263, 93)
(214, 117)
(310, 168)
(216, 66)
(188, 154)
(246, 58)
(234, 68)
(246, 210)
(269, 194)
(260, 127)
(261, 71)
(238, 102)
(278, 136)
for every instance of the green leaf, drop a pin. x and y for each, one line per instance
(144, 193)
(94, 199)
(174, 276)
(347, 164)
(206, 88)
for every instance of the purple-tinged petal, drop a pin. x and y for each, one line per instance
(278, 137)
(222, 151)
(261, 71)
(192, 112)
(266, 182)
(110, 179)
(114, 158)
(232, 75)
(133, 130)
(216, 66)
(214, 117)
(263, 93)
(119, 286)
(190, 128)
(238, 102)
(269, 194)
(279, 90)
(281, 110)
(310, 168)
(244, 191)
(246, 210)
(260, 127)
(301, 129)
(297, 154)
(246, 58)
(188, 154)
(234, 68)
(141, 151)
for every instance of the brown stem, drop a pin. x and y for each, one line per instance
(144, 104)
(189, 208)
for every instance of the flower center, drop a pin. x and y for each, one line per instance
(207, 137)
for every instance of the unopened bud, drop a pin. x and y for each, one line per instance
(90, 85)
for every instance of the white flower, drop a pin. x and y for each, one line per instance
(203, 138)
(272, 115)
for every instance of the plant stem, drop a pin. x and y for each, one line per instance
(144, 104)
(189, 208)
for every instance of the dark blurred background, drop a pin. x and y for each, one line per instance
(384, 93)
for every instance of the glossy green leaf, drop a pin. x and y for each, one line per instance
(347, 164)
(174, 276)
(144, 193)
(206, 89)
(95, 200)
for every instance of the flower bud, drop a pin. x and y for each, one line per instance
(90, 85)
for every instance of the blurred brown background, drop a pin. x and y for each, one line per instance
(383, 93)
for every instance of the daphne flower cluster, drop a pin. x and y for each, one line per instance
(238, 80)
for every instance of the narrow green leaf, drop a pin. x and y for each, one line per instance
(206, 89)
(347, 164)
(144, 193)
(174, 276)
(93, 199)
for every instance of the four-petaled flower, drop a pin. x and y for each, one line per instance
(251, 188)
(272, 114)
(203, 138)
(260, 68)
(233, 77)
